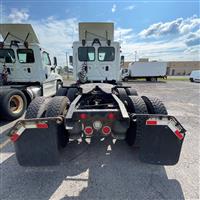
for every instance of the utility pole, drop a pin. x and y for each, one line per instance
(135, 56)
(67, 65)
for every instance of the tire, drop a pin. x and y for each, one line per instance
(123, 96)
(148, 79)
(72, 93)
(125, 79)
(122, 93)
(13, 104)
(136, 128)
(155, 105)
(61, 91)
(131, 92)
(37, 108)
(58, 106)
(153, 79)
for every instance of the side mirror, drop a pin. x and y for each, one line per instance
(122, 60)
(71, 60)
(55, 61)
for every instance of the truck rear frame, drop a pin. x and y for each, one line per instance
(159, 136)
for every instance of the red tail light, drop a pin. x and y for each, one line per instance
(111, 116)
(83, 116)
(88, 130)
(42, 125)
(106, 130)
(14, 137)
(151, 122)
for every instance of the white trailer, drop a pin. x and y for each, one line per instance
(148, 70)
(26, 70)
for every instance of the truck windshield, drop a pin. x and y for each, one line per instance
(86, 53)
(124, 71)
(25, 55)
(7, 55)
(106, 53)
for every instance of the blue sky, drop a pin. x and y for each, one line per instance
(160, 30)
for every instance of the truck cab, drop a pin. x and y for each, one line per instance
(96, 57)
(25, 68)
(23, 57)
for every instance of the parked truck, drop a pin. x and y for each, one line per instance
(26, 70)
(150, 71)
(96, 105)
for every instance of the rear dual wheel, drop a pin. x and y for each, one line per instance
(50, 107)
(136, 127)
(59, 106)
(142, 105)
(37, 108)
(71, 93)
(155, 105)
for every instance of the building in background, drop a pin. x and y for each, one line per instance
(182, 67)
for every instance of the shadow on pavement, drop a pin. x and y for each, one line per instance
(100, 170)
(3, 123)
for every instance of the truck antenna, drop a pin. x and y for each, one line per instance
(6, 37)
(27, 37)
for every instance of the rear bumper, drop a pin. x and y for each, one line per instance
(76, 125)
(36, 140)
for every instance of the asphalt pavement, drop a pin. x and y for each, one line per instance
(110, 169)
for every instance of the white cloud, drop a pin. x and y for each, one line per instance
(189, 24)
(177, 26)
(193, 39)
(57, 36)
(123, 35)
(18, 16)
(131, 7)
(166, 50)
(148, 50)
(114, 8)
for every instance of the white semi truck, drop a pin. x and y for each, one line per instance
(26, 70)
(96, 105)
(150, 71)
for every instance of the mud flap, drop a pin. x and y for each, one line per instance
(36, 146)
(161, 140)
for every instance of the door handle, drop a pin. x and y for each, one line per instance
(29, 70)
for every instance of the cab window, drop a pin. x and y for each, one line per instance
(46, 58)
(7, 55)
(25, 55)
(106, 53)
(124, 71)
(86, 53)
